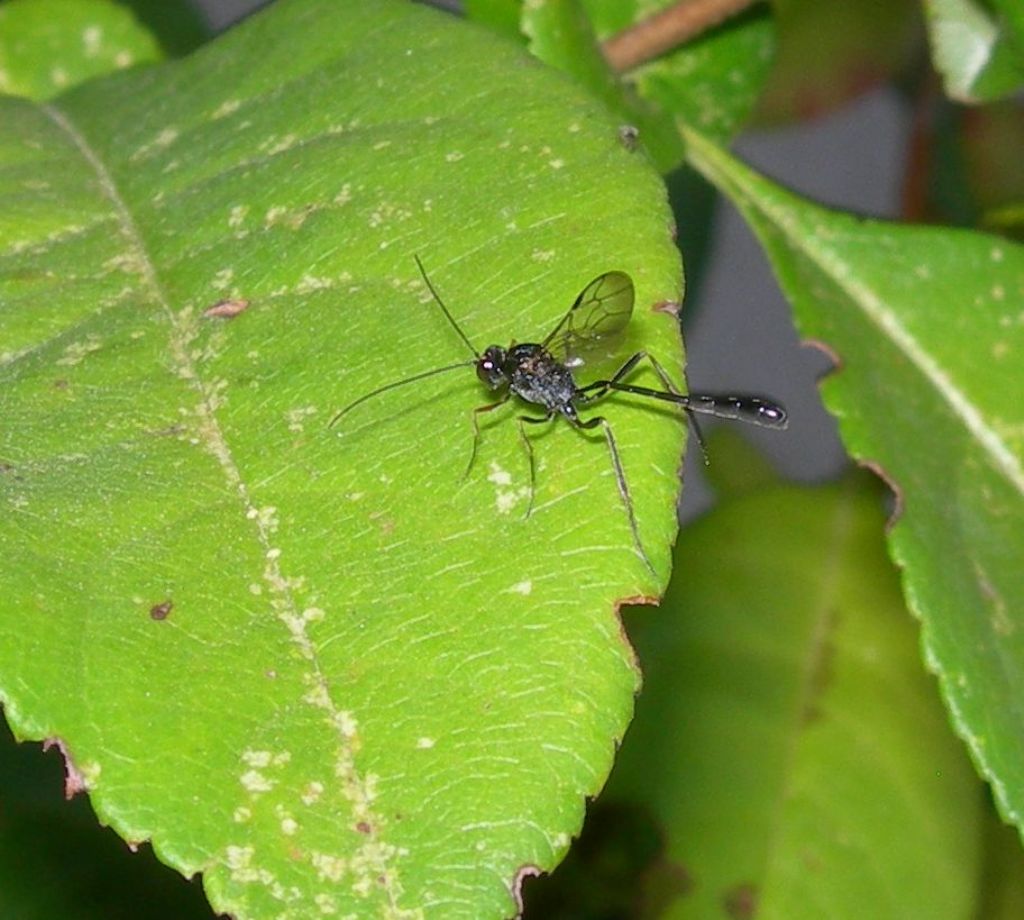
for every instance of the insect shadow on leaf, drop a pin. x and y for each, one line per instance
(542, 374)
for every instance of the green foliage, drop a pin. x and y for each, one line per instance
(319, 666)
(335, 675)
(48, 46)
(788, 749)
(925, 324)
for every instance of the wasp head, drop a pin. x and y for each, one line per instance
(491, 367)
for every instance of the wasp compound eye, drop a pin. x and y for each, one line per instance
(491, 367)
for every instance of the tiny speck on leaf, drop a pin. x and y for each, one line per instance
(629, 135)
(162, 610)
(226, 309)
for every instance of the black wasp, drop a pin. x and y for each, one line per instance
(542, 374)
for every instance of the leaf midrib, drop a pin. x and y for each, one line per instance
(182, 325)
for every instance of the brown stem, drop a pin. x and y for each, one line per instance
(652, 37)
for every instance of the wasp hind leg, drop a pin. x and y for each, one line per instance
(620, 473)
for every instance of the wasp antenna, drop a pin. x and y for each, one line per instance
(394, 385)
(444, 309)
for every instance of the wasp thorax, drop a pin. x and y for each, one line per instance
(491, 367)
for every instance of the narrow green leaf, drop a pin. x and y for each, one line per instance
(787, 741)
(49, 46)
(928, 329)
(714, 80)
(977, 47)
(320, 666)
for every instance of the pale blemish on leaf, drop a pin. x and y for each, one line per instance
(274, 215)
(91, 39)
(227, 107)
(310, 283)
(505, 496)
(255, 783)
(387, 211)
(326, 904)
(311, 794)
(296, 418)
(996, 254)
(454, 156)
(126, 261)
(222, 279)
(242, 814)
(329, 867)
(162, 141)
(77, 351)
(274, 145)
(237, 215)
(58, 76)
(124, 59)
(542, 255)
(556, 163)
(499, 476)
(523, 587)
(425, 743)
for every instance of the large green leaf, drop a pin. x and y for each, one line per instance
(789, 757)
(48, 46)
(927, 327)
(317, 665)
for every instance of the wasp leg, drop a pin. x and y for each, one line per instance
(599, 388)
(594, 391)
(528, 447)
(474, 416)
(620, 473)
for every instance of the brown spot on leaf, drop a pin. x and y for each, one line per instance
(74, 782)
(363, 827)
(670, 307)
(741, 902)
(162, 610)
(60, 384)
(226, 309)
(525, 872)
(897, 493)
(827, 350)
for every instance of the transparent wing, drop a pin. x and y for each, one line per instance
(592, 329)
